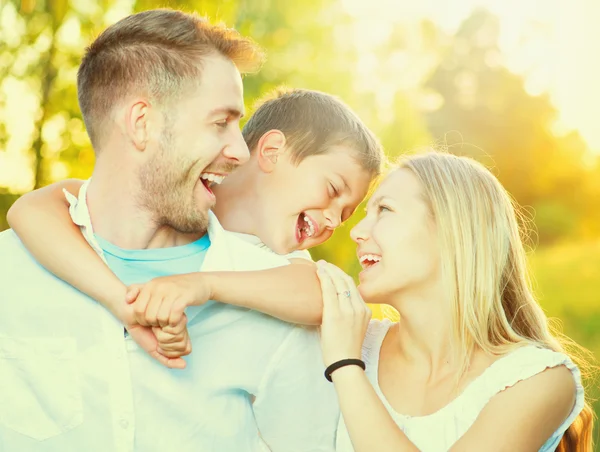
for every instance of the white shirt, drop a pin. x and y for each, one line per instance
(438, 431)
(70, 381)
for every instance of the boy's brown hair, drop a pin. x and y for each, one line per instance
(312, 123)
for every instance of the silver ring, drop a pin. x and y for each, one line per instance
(346, 293)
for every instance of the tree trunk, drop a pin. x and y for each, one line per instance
(48, 74)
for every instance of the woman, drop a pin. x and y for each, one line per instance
(471, 365)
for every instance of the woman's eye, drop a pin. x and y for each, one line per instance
(383, 208)
(222, 124)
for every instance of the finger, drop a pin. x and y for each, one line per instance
(154, 303)
(330, 298)
(140, 305)
(172, 363)
(163, 314)
(177, 312)
(179, 328)
(355, 297)
(145, 338)
(165, 338)
(341, 289)
(173, 350)
(133, 292)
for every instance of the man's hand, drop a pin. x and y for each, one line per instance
(162, 301)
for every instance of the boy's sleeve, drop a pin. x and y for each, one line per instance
(296, 408)
(299, 254)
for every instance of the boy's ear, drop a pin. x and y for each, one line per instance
(270, 146)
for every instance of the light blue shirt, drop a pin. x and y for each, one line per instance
(140, 266)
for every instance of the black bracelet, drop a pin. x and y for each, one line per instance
(342, 363)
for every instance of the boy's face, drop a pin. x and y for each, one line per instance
(304, 203)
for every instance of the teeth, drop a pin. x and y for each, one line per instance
(212, 177)
(369, 257)
(310, 229)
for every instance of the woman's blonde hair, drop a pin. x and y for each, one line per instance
(484, 265)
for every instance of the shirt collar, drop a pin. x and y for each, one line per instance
(80, 214)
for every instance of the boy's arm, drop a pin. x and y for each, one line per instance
(42, 221)
(291, 293)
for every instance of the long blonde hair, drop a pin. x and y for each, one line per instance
(484, 266)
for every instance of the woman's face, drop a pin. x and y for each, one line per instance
(397, 240)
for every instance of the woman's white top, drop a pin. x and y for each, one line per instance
(437, 432)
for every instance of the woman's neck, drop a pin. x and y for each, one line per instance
(424, 335)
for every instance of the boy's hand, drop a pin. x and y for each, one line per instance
(147, 339)
(173, 341)
(162, 301)
(152, 343)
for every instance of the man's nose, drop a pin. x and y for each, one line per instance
(238, 150)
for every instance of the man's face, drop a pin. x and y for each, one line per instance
(199, 144)
(304, 203)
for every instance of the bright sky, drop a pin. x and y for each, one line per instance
(554, 43)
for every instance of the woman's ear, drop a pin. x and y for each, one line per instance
(270, 146)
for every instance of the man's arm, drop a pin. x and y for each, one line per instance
(296, 409)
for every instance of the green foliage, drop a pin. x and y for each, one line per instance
(451, 91)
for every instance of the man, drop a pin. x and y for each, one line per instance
(161, 96)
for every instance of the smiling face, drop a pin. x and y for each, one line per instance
(303, 203)
(397, 241)
(199, 144)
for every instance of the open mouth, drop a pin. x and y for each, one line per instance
(209, 179)
(305, 227)
(369, 260)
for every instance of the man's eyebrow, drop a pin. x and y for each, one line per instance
(230, 111)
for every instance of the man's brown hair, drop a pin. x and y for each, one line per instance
(312, 123)
(157, 53)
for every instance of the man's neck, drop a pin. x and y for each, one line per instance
(118, 218)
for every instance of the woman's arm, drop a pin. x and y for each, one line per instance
(521, 417)
(41, 220)
(345, 321)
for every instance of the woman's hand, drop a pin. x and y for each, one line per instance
(345, 315)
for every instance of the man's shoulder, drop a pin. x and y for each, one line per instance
(8, 237)
(12, 251)
(249, 256)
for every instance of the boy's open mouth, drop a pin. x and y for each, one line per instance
(305, 227)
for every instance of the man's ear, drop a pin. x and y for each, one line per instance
(137, 119)
(270, 146)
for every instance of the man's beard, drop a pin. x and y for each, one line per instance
(167, 191)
